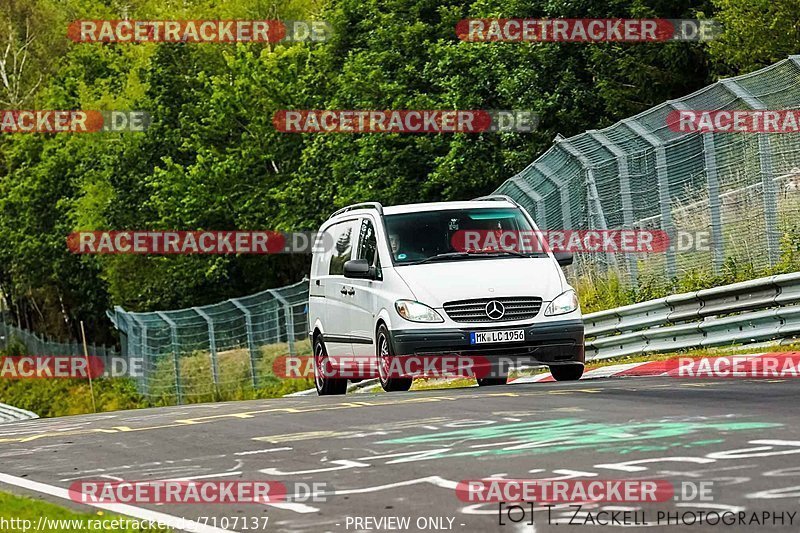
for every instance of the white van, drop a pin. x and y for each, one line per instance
(396, 284)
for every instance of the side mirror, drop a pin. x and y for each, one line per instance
(563, 258)
(359, 269)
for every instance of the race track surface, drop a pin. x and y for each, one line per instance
(401, 455)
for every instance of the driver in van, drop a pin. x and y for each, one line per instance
(394, 241)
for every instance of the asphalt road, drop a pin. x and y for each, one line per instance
(401, 455)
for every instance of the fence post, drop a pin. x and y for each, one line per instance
(563, 191)
(625, 193)
(714, 204)
(597, 218)
(143, 352)
(767, 172)
(539, 214)
(287, 310)
(277, 320)
(212, 345)
(251, 345)
(123, 338)
(4, 343)
(664, 200)
(173, 333)
(712, 187)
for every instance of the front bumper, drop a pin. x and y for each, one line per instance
(552, 342)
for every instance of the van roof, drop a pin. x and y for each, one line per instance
(442, 206)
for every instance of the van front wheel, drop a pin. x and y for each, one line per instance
(385, 355)
(567, 372)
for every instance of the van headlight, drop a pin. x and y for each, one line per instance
(564, 303)
(416, 312)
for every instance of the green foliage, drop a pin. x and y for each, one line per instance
(598, 292)
(31, 510)
(213, 160)
(756, 33)
(61, 397)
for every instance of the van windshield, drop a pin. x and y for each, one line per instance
(456, 234)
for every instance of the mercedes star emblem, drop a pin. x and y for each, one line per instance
(495, 310)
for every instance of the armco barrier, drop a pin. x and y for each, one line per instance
(234, 339)
(757, 310)
(10, 414)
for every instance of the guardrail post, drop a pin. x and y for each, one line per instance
(287, 310)
(767, 169)
(212, 346)
(173, 333)
(251, 346)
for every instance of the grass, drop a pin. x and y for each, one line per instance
(457, 383)
(62, 397)
(599, 291)
(27, 512)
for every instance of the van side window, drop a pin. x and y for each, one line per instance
(342, 247)
(368, 245)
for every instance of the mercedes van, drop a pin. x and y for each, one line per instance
(398, 281)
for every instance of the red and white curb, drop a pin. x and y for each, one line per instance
(646, 368)
(664, 367)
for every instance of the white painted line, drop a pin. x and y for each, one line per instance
(268, 450)
(608, 371)
(531, 379)
(174, 522)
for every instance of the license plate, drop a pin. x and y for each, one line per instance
(508, 335)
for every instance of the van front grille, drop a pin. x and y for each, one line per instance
(513, 308)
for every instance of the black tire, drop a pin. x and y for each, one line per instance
(567, 372)
(498, 375)
(326, 385)
(384, 353)
(490, 382)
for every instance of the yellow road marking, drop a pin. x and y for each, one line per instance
(301, 409)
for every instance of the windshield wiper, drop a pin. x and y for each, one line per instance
(441, 257)
(465, 255)
(500, 252)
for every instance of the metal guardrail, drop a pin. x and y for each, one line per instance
(10, 414)
(757, 310)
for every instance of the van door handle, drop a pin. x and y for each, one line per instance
(343, 291)
(352, 291)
